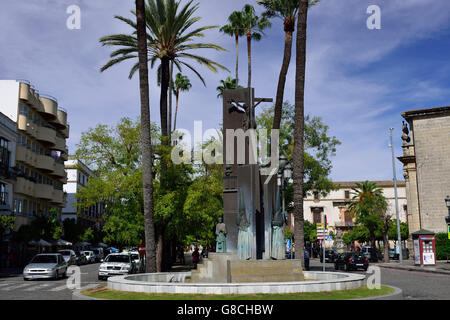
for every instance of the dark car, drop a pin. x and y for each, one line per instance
(374, 255)
(351, 261)
(80, 258)
(395, 256)
(330, 255)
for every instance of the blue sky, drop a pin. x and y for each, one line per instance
(358, 80)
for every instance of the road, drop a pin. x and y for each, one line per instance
(415, 285)
(15, 288)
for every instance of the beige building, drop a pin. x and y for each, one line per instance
(426, 167)
(335, 204)
(40, 151)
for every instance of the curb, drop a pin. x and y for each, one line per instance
(76, 295)
(396, 295)
(418, 269)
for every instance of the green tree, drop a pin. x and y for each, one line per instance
(88, 235)
(369, 206)
(72, 230)
(171, 36)
(182, 84)
(320, 148)
(442, 246)
(227, 84)
(235, 28)
(6, 223)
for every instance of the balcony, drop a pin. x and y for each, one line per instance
(65, 132)
(24, 91)
(24, 186)
(50, 107)
(58, 197)
(22, 122)
(344, 224)
(59, 170)
(25, 155)
(60, 144)
(45, 163)
(43, 191)
(47, 135)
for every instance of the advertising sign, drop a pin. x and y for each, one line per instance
(416, 251)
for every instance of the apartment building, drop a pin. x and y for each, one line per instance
(78, 175)
(41, 149)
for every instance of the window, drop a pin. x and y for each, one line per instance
(4, 153)
(347, 194)
(316, 195)
(3, 194)
(18, 207)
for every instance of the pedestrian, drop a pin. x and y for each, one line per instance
(195, 257)
(307, 256)
(10, 259)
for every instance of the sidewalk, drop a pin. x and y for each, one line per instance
(10, 272)
(441, 267)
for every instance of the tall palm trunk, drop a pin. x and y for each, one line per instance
(299, 120)
(170, 96)
(289, 29)
(237, 59)
(176, 110)
(146, 144)
(165, 80)
(249, 85)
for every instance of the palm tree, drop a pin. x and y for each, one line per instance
(235, 28)
(146, 144)
(169, 38)
(287, 11)
(299, 120)
(253, 27)
(227, 84)
(182, 84)
(369, 206)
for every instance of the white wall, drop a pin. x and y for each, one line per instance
(9, 98)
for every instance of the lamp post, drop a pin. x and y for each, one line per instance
(399, 236)
(447, 203)
(284, 174)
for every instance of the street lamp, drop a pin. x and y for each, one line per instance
(284, 174)
(447, 203)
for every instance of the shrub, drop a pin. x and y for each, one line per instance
(442, 246)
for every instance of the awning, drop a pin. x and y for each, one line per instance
(41, 243)
(62, 242)
(101, 244)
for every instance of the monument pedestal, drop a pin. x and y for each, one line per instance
(226, 268)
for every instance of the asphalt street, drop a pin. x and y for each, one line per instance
(15, 288)
(415, 285)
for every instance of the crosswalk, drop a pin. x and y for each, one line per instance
(40, 286)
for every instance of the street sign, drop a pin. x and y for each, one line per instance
(448, 231)
(329, 238)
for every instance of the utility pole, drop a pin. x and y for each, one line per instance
(399, 236)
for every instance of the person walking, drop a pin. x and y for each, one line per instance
(306, 256)
(195, 257)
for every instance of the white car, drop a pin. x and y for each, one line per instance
(116, 264)
(90, 256)
(137, 261)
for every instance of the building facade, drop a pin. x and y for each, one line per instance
(42, 130)
(335, 204)
(78, 175)
(426, 167)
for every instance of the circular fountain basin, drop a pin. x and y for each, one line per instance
(166, 282)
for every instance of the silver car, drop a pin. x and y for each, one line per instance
(46, 266)
(69, 256)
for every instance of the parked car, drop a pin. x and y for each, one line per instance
(69, 256)
(116, 264)
(137, 261)
(80, 258)
(330, 255)
(47, 266)
(395, 256)
(90, 257)
(98, 254)
(374, 255)
(351, 261)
